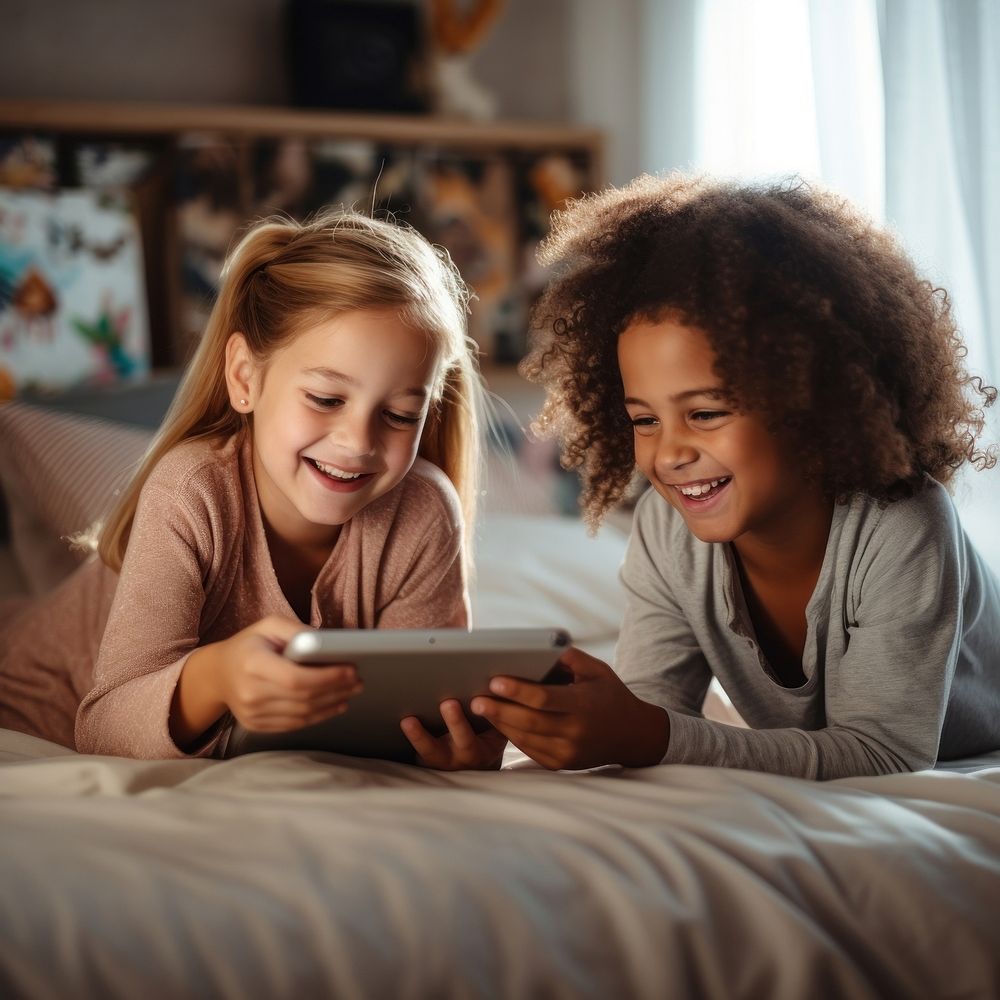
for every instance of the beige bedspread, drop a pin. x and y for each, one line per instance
(307, 875)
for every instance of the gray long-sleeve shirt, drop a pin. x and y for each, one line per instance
(902, 652)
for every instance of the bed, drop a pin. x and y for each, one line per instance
(301, 874)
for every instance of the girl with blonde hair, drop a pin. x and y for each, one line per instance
(317, 466)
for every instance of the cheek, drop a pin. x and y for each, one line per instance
(645, 451)
(403, 447)
(766, 463)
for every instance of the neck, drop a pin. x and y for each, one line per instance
(308, 548)
(794, 548)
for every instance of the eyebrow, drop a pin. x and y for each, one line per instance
(334, 376)
(713, 392)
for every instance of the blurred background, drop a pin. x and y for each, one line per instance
(136, 138)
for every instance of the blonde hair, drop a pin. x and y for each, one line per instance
(283, 276)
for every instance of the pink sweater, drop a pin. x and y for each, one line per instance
(196, 571)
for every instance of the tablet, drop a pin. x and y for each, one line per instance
(408, 672)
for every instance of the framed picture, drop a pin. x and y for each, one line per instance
(72, 293)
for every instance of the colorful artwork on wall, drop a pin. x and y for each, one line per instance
(72, 294)
(488, 209)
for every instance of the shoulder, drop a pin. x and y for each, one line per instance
(425, 499)
(913, 546)
(931, 507)
(203, 460)
(926, 518)
(201, 477)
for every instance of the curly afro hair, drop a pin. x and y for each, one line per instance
(819, 321)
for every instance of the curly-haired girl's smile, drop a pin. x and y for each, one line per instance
(730, 477)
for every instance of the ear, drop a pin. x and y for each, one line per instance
(241, 374)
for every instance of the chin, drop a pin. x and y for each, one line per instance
(705, 532)
(709, 532)
(325, 518)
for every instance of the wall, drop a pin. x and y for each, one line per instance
(604, 44)
(155, 50)
(231, 51)
(585, 61)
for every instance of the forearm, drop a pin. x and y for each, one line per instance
(131, 717)
(197, 703)
(821, 754)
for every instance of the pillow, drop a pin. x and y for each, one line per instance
(58, 473)
(546, 570)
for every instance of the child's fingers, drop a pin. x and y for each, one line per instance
(509, 715)
(462, 734)
(461, 747)
(288, 718)
(550, 752)
(495, 741)
(584, 666)
(522, 737)
(428, 747)
(331, 700)
(290, 676)
(263, 697)
(284, 712)
(278, 629)
(541, 697)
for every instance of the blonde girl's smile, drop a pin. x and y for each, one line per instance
(337, 416)
(339, 480)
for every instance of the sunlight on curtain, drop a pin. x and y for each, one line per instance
(850, 111)
(791, 86)
(753, 91)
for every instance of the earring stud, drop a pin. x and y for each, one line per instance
(243, 402)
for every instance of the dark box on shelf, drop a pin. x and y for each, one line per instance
(356, 54)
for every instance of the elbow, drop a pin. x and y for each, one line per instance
(83, 732)
(87, 735)
(885, 760)
(93, 733)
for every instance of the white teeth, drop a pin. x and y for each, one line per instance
(701, 488)
(332, 470)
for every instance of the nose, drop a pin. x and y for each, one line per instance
(352, 434)
(674, 449)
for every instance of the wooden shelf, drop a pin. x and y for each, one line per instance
(95, 117)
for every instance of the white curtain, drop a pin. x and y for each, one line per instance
(941, 67)
(895, 103)
(786, 86)
(941, 61)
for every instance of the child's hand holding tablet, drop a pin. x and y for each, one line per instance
(417, 688)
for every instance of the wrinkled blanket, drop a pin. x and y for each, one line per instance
(304, 875)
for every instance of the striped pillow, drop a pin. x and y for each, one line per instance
(58, 472)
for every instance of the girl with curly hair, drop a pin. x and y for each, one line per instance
(795, 394)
